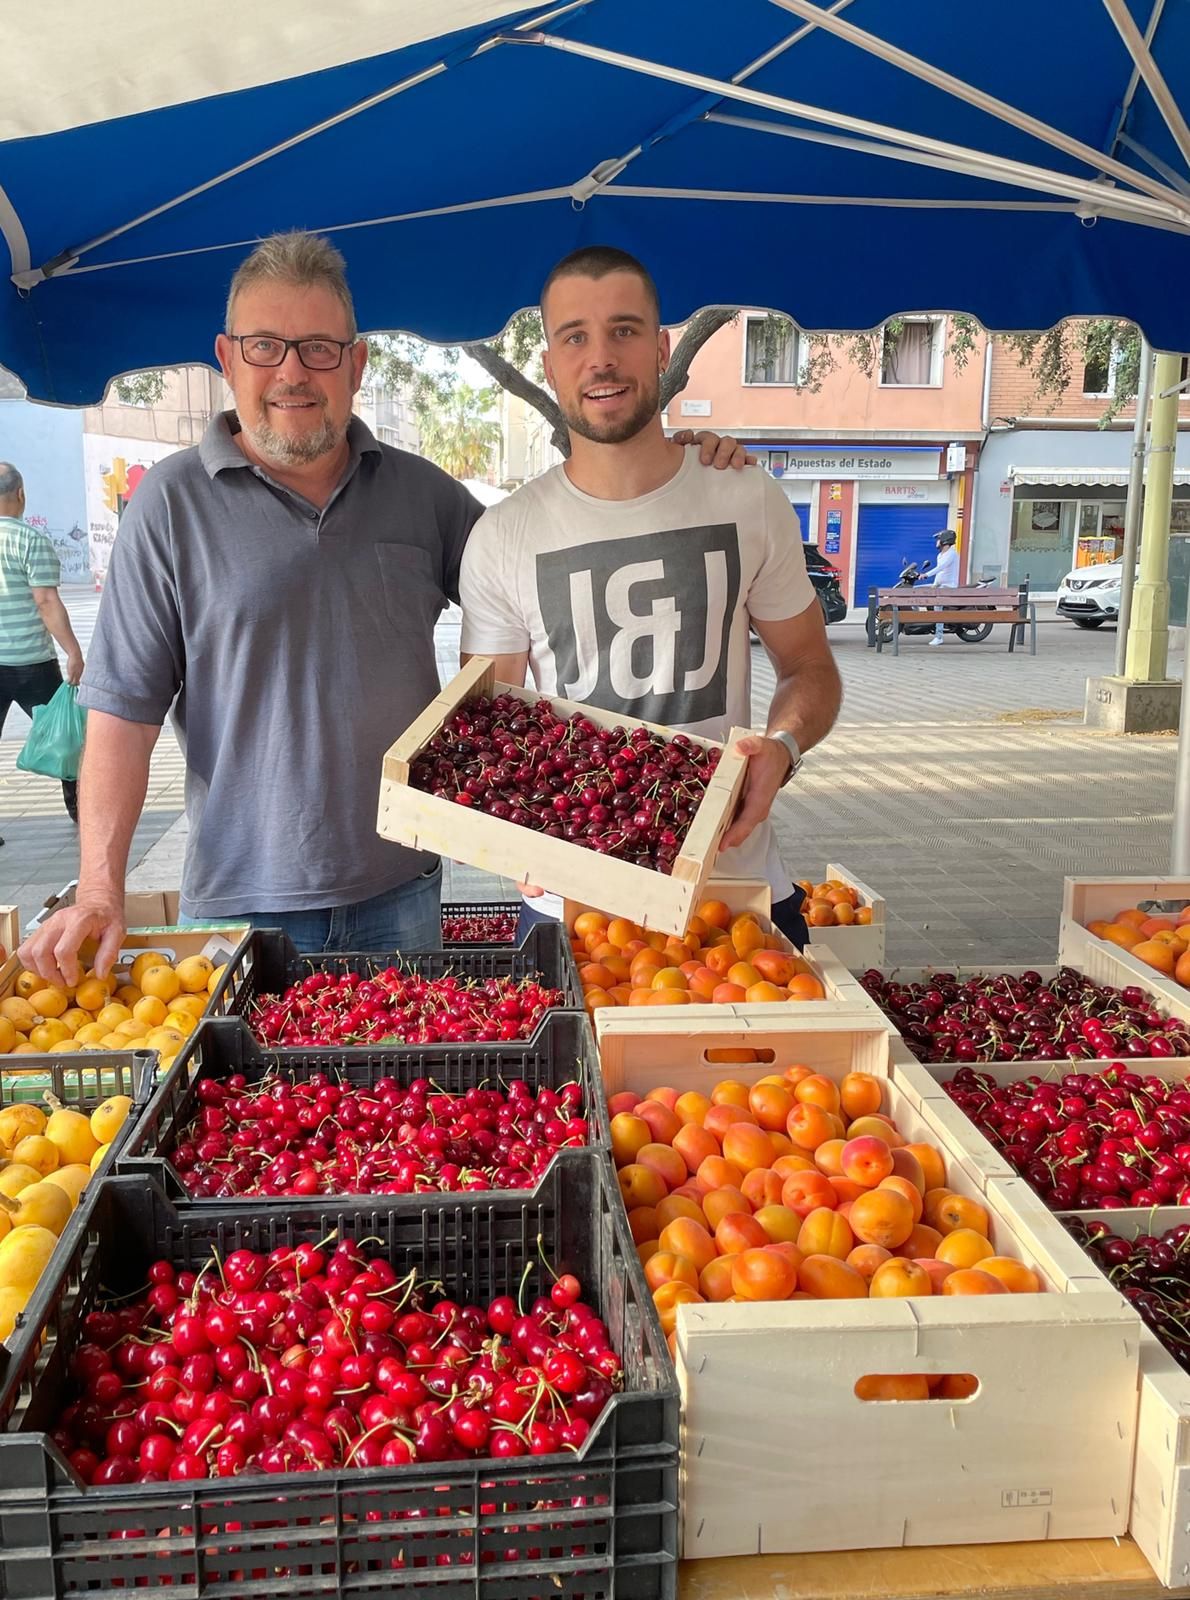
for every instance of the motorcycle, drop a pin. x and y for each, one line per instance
(970, 633)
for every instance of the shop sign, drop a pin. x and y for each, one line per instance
(834, 532)
(867, 464)
(696, 408)
(905, 491)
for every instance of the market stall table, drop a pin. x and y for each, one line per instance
(1100, 1569)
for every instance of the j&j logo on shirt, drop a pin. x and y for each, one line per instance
(640, 627)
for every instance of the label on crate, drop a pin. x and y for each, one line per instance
(1025, 1499)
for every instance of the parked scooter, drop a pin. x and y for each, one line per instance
(970, 633)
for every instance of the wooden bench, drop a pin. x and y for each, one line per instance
(902, 607)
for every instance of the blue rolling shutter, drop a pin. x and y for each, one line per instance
(888, 538)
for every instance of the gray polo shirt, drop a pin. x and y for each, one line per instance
(294, 645)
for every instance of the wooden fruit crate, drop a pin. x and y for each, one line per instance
(1095, 899)
(1160, 1504)
(10, 929)
(779, 1455)
(856, 947)
(410, 817)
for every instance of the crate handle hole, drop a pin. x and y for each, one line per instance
(953, 1388)
(739, 1055)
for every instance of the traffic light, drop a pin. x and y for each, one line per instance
(115, 485)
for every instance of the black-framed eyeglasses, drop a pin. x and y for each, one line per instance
(316, 355)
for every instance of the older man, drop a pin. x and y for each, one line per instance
(32, 616)
(277, 587)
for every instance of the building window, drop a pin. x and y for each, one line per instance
(911, 357)
(1099, 374)
(774, 351)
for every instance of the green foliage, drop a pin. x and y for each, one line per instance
(457, 433)
(1105, 350)
(140, 388)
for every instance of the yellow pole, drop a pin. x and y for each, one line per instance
(1148, 639)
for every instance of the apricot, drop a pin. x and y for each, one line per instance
(665, 1160)
(964, 1248)
(903, 1186)
(907, 1166)
(714, 913)
(881, 1217)
(641, 1186)
(747, 1146)
(866, 1160)
(898, 1279)
(629, 1135)
(692, 1107)
(674, 1206)
(762, 1274)
(721, 1203)
(937, 1271)
(694, 1145)
(780, 1223)
(719, 1118)
(846, 1189)
(792, 1161)
(770, 1104)
(1016, 1277)
(666, 1267)
(668, 1298)
(818, 1090)
(970, 1280)
(809, 1126)
(930, 1203)
(874, 1126)
(825, 1233)
(739, 1230)
(923, 1241)
(826, 1278)
(805, 1192)
(714, 1281)
(958, 1386)
(664, 1122)
(859, 1094)
(828, 1157)
(643, 1223)
(957, 1211)
(685, 1237)
(762, 1187)
(717, 1173)
(866, 1258)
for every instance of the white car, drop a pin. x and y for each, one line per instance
(1090, 596)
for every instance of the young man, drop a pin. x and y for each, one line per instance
(32, 616)
(626, 578)
(945, 574)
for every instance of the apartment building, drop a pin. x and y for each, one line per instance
(1053, 476)
(875, 464)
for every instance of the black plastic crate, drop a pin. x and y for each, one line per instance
(480, 908)
(268, 962)
(82, 1082)
(509, 1528)
(564, 1051)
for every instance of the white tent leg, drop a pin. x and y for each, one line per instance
(1136, 479)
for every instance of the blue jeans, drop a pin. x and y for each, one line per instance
(406, 918)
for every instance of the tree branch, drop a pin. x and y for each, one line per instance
(514, 380)
(698, 330)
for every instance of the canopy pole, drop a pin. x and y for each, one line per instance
(1136, 477)
(1179, 855)
(1147, 656)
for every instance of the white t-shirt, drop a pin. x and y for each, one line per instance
(946, 574)
(641, 607)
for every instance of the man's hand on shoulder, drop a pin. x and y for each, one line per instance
(715, 450)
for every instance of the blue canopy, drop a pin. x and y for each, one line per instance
(1021, 161)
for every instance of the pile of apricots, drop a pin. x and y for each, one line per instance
(1162, 943)
(720, 958)
(833, 904)
(794, 1187)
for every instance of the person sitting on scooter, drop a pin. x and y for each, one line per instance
(945, 574)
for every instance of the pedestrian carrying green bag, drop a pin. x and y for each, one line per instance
(54, 747)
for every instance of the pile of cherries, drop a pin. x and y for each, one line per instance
(401, 1007)
(310, 1359)
(1151, 1272)
(321, 1137)
(628, 794)
(998, 1017)
(492, 927)
(1089, 1141)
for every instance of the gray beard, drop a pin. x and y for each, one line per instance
(283, 450)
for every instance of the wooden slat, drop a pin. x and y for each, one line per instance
(958, 614)
(996, 596)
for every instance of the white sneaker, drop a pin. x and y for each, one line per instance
(934, 643)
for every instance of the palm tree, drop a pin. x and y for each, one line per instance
(458, 433)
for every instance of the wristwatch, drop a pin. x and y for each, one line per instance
(794, 749)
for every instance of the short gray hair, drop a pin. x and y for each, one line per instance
(297, 258)
(11, 481)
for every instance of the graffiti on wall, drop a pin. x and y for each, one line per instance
(70, 547)
(113, 470)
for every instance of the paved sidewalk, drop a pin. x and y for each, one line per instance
(959, 783)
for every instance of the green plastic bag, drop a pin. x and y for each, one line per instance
(54, 747)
